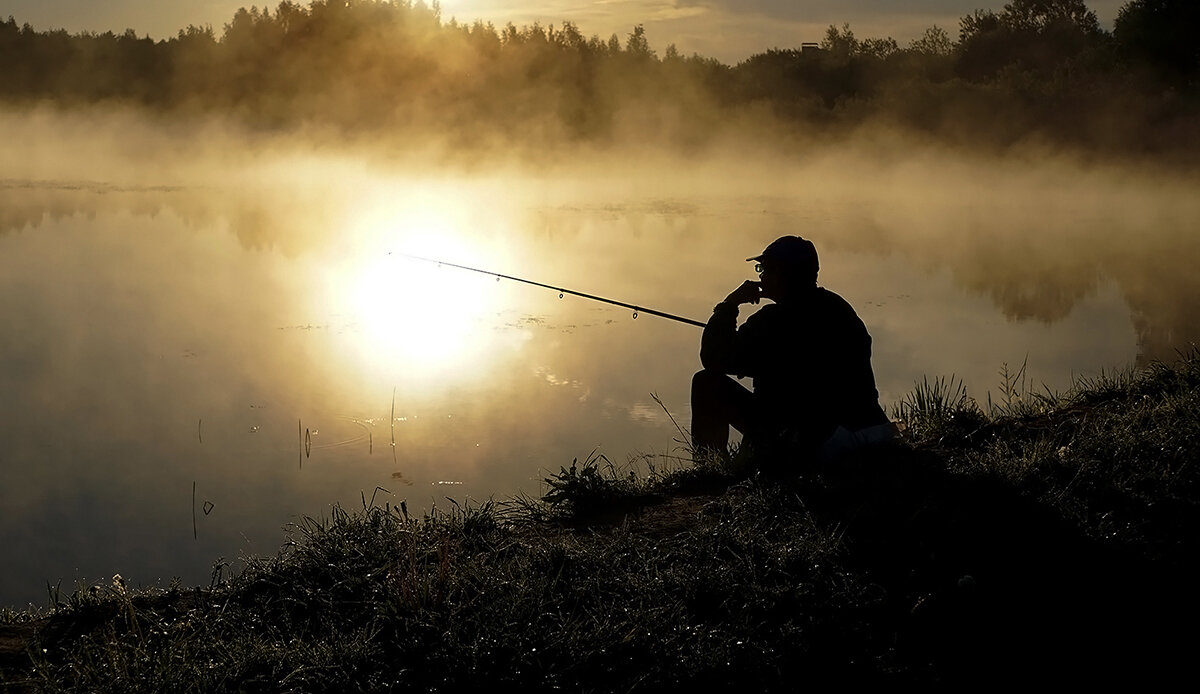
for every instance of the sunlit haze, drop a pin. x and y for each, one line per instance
(228, 276)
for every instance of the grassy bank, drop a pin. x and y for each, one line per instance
(1039, 537)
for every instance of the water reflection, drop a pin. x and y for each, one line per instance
(411, 314)
(267, 345)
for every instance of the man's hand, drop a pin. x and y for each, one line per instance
(749, 293)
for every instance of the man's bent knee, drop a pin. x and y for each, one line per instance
(709, 380)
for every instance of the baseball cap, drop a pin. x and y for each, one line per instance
(796, 253)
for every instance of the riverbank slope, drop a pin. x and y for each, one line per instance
(1049, 536)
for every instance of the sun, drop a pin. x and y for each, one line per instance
(411, 314)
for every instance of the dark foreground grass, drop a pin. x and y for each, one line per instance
(1051, 540)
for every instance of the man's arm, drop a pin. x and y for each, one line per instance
(718, 344)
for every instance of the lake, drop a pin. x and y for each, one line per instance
(188, 365)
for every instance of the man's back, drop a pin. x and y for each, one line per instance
(808, 353)
(810, 360)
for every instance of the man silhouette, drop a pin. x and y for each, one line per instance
(809, 355)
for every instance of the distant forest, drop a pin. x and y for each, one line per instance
(1034, 72)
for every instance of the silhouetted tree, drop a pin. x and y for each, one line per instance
(1032, 34)
(1045, 15)
(878, 48)
(935, 41)
(1034, 66)
(1162, 33)
(637, 44)
(840, 43)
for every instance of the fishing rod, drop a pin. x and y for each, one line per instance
(636, 309)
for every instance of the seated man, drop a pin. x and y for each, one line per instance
(809, 355)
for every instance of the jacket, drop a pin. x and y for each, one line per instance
(810, 361)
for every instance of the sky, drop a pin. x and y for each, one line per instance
(729, 30)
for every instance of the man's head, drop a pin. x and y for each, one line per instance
(788, 263)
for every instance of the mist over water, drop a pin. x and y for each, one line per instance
(193, 305)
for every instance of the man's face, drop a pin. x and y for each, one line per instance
(770, 275)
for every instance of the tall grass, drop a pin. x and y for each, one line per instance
(935, 408)
(1018, 397)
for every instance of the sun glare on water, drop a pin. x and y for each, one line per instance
(413, 314)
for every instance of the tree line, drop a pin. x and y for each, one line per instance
(1033, 71)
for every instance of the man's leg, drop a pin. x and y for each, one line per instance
(719, 402)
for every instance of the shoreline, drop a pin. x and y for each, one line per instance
(983, 550)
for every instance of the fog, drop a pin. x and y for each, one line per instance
(1035, 232)
(204, 286)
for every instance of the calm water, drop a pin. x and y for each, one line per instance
(269, 349)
